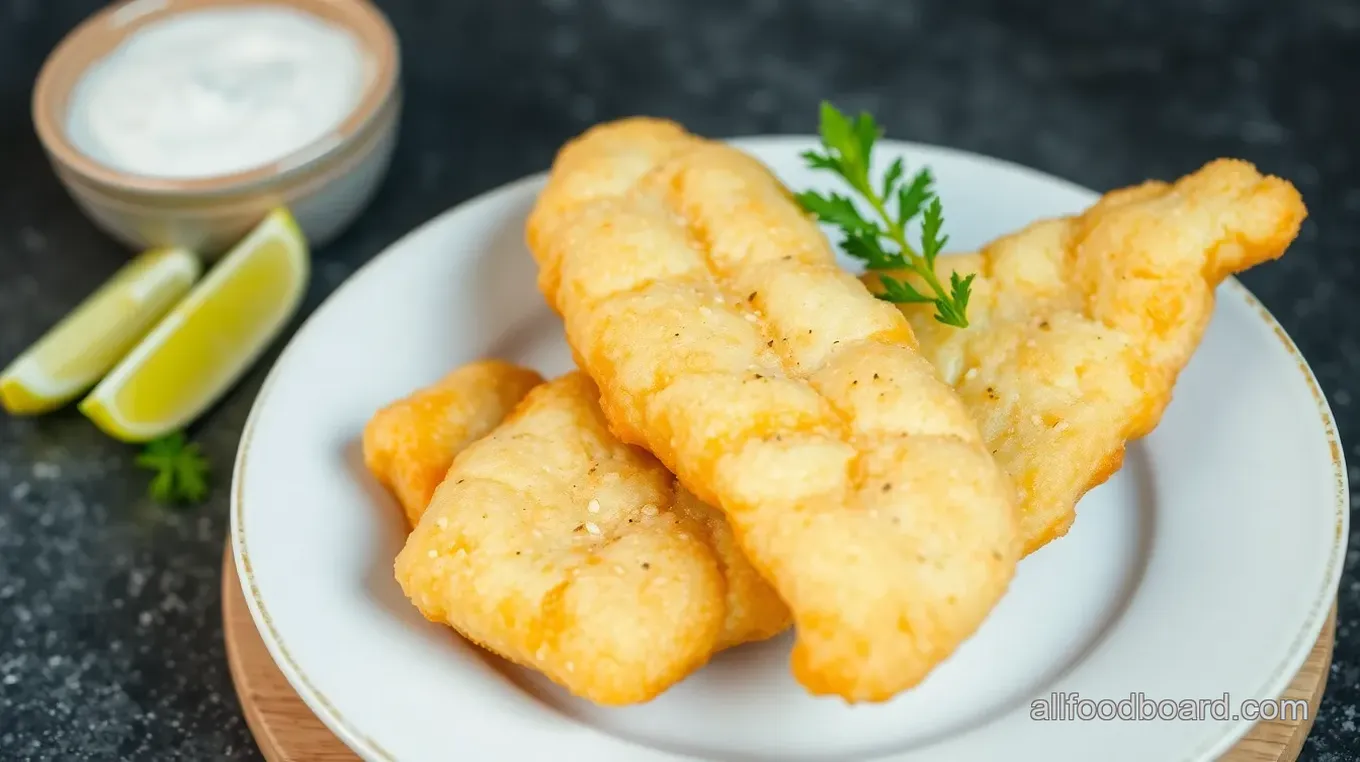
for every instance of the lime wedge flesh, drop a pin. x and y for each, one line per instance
(83, 346)
(208, 341)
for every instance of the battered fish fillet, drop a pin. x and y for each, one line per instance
(724, 338)
(410, 444)
(557, 546)
(1079, 326)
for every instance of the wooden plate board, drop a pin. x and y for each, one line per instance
(287, 731)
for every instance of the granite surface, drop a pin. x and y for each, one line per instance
(110, 640)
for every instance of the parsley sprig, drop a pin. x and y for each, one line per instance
(881, 241)
(181, 470)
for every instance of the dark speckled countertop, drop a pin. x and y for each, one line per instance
(110, 631)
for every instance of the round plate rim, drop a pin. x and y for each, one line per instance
(368, 748)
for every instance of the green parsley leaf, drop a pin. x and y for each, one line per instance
(912, 197)
(181, 470)
(891, 178)
(836, 210)
(880, 240)
(901, 292)
(864, 245)
(931, 240)
(960, 289)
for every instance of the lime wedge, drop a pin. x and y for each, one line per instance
(84, 345)
(206, 342)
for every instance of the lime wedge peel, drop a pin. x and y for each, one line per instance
(204, 345)
(75, 353)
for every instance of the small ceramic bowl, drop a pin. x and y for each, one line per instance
(325, 184)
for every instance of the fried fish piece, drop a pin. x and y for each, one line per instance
(724, 338)
(562, 549)
(1079, 326)
(410, 444)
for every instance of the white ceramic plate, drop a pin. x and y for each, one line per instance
(1205, 568)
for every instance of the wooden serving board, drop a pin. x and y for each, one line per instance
(287, 731)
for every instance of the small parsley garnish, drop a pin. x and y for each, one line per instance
(181, 470)
(881, 242)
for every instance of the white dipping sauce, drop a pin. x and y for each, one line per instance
(215, 92)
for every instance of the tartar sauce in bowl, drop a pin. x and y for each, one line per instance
(217, 91)
(186, 122)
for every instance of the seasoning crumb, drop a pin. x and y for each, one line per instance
(875, 376)
(887, 486)
(646, 566)
(593, 506)
(592, 527)
(1043, 326)
(770, 343)
(752, 297)
(433, 553)
(441, 522)
(751, 317)
(579, 528)
(649, 509)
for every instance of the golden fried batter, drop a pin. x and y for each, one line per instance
(724, 338)
(410, 444)
(1079, 326)
(560, 548)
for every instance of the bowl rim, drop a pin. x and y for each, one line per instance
(109, 27)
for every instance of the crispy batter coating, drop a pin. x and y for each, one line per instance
(724, 338)
(410, 444)
(1079, 326)
(557, 546)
